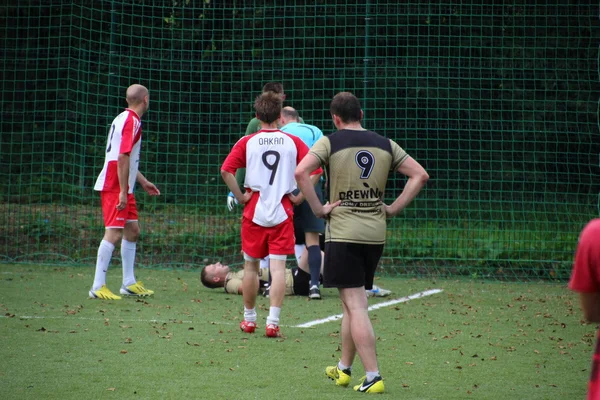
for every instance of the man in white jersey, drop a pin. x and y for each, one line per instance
(270, 158)
(115, 184)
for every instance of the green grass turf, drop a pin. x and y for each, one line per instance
(473, 340)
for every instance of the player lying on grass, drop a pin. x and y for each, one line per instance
(297, 280)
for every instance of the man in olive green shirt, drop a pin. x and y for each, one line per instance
(358, 162)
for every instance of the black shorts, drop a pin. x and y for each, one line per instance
(305, 220)
(301, 282)
(350, 265)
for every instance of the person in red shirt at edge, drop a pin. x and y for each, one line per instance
(585, 279)
(270, 157)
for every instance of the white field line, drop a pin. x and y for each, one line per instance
(373, 307)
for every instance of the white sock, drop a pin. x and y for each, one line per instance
(105, 251)
(128, 258)
(343, 367)
(264, 262)
(273, 317)
(249, 314)
(298, 250)
(371, 375)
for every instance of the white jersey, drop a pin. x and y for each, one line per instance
(270, 157)
(124, 137)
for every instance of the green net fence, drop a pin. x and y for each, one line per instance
(498, 101)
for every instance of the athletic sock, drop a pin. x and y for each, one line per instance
(264, 262)
(105, 251)
(314, 264)
(273, 317)
(128, 258)
(344, 367)
(372, 375)
(249, 314)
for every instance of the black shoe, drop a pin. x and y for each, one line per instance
(266, 291)
(314, 293)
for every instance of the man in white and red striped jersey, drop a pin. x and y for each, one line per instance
(270, 158)
(115, 184)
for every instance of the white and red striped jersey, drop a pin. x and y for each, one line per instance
(124, 137)
(270, 157)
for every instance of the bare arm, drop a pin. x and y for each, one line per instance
(147, 185)
(590, 304)
(417, 177)
(232, 184)
(306, 186)
(123, 174)
(299, 198)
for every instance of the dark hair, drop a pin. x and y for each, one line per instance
(268, 106)
(276, 87)
(346, 106)
(209, 283)
(290, 114)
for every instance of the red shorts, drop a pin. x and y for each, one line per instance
(259, 242)
(114, 218)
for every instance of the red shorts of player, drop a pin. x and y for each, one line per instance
(114, 218)
(259, 242)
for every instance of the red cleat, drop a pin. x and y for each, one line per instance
(272, 331)
(247, 326)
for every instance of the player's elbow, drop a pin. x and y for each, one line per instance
(123, 159)
(421, 177)
(298, 174)
(225, 174)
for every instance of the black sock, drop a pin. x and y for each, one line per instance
(314, 264)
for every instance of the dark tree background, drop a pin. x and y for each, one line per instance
(498, 101)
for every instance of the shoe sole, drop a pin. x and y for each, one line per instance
(94, 297)
(136, 295)
(131, 294)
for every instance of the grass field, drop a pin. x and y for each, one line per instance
(472, 340)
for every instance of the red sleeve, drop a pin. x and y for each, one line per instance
(237, 157)
(127, 136)
(585, 277)
(302, 152)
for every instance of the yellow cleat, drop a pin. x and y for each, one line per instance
(137, 289)
(375, 386)
(341, 377)
(103, 293)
